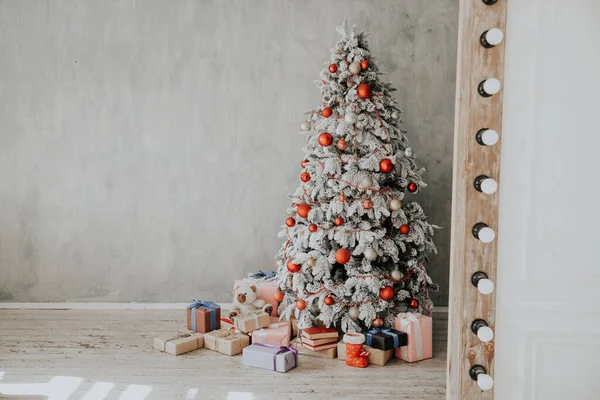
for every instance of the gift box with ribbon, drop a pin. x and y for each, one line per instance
(179, 343)
(226, 341)
(203, 316)
(278, 333)
(274, 358)
(252, 321)
(266, 287)
(386, 338)
(419, 331)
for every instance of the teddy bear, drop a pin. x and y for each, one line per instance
(245, 301)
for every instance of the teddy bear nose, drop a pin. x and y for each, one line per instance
(241, 297)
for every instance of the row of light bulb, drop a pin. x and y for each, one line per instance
(488, 186)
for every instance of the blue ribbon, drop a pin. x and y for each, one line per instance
(282, 349)
(210, 306)
(263, 275)
(385, 331)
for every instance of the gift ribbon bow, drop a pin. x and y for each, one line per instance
(282, 349)
(385, 331)
(412, 318)
(210, 306)
(260, 275)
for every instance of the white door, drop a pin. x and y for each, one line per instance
(548, 289)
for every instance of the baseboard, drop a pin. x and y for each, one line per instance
(117, 306)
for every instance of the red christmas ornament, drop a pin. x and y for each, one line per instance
(293, 267)
(290, 222)
(386, 165)
(367, 204)
(404, 229)
(342, 144)
(386, 293)
(342, 256)
(328, 300)
(300, 304)
(327, 112)
(305, 177)
(364, 91)
(377, 322)
(364, 64)
(278, 296)
(325, 139)
(312, 227)
(303, 210)
(332, 68)
(412, 187)
(414, 303)
(339, 221)
(304, 162)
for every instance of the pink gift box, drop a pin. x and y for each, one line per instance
(279, 333)
(266, 289)
(419, 331)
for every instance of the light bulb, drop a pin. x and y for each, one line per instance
(485, 334)
(491, 38)
(489, 87)
(482, 283)
(485, 382)
(483, 232)
(479, 374)
(485, 184)
(487, 137)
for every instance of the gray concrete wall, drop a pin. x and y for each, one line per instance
(147, 147)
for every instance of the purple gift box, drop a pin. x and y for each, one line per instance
(274, 358)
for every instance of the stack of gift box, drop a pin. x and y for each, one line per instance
(266, 342)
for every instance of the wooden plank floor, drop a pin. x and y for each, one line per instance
(115, 347)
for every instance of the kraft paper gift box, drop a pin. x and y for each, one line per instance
(278, 333)
(419, 330)
(274, 358)
(265, 290)
(203, 316)
(386, 338)
(376, 356)
(179, 343)
(226, 342)
(327, 353)
(252, 321)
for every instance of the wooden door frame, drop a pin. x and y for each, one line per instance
(475, 63)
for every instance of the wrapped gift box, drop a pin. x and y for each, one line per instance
(376, 356)
(226, 342)
(274, 358)
(203, 316)
(278, 333)
(327, 353)
(265, 290)
(419, 331)
(250, 322)
(386, 338)
(179, 343)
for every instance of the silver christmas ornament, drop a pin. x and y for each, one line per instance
(370, 253)
(354, 312)
(311, 262)
(395, 114)
(305, 126)
(409, 152)
(395, 204)
(396, 275)
(366, 182)
(290, 211)
(350, 117)
(354, 68)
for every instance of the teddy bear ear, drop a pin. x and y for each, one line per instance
(253, 288)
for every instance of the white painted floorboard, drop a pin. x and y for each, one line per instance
(107, 354)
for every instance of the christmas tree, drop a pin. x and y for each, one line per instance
(356, 247)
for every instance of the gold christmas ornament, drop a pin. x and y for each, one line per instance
(311, 262)
(354, 68)
(395, 204)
